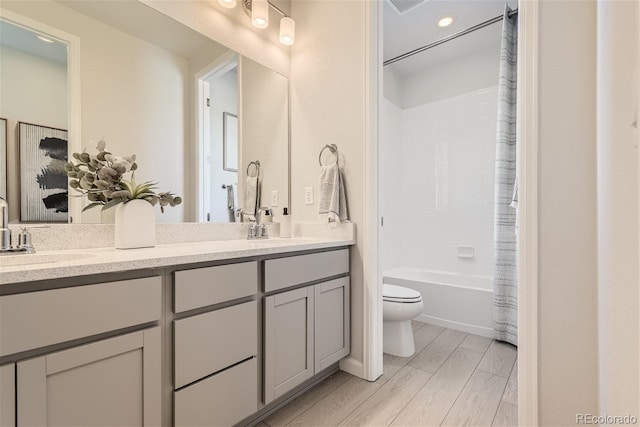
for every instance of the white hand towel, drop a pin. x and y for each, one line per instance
(333, 200)
(250, 198)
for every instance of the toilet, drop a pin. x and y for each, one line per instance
(399, 306)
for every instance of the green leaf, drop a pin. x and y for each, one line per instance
(91, 205)
(111, 204)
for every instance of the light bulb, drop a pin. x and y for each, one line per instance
(445, 21)
(260, 13)
(287, 31)
(229, 4)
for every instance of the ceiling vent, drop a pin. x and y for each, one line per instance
(404, 6)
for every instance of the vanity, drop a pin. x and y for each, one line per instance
(207, 333)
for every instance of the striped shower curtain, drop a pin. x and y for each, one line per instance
(505, 277)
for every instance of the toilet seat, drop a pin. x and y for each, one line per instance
(400, 294)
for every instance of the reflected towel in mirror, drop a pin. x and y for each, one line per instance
(250, 197)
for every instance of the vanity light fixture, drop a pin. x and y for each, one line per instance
(258, 11)
(445, 21)
(229, 4)
(44, 39)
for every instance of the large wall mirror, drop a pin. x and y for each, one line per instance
(197, 115)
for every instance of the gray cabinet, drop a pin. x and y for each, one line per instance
(219, 400)
(8, 395)
(288, 344)
(332, 320)
(113, 382)
(305, 331)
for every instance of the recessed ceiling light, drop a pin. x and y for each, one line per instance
(445, 21)
(44, 39)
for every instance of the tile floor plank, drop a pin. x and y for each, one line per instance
(335, 407)
(432, 357)
(431, 404)
(385, 404)
(415, 325)
(478, 401)
(296, 407)
(422, 338)
(499, 359)
(506, 416)
(510, 395)
(425, 336)
(476, 343)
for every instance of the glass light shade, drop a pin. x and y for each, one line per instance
(229, 4)
(260, 13)
(287, 31)
(445, 21)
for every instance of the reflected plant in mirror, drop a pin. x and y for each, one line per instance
(101, 178)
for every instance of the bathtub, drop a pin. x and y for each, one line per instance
(451, 300)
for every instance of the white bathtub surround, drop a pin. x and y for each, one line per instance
(438, 166)
(450, 300)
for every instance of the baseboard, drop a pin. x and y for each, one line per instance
(353, 366)
(472, 329)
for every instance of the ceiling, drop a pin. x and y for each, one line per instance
(26, 40)
(418, 27)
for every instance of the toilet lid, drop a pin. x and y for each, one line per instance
(400, 294)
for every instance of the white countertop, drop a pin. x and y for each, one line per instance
(81, 262)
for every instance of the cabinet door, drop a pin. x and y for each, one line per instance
(114, 382)
(288, 357)
(332, 322)
(8, 395)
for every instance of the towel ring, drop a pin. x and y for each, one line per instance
(255, 163)
(333, 148)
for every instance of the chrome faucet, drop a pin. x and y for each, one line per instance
(24, 238)
(258, 230)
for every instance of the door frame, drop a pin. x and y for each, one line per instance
(528, 77)
(219, 66)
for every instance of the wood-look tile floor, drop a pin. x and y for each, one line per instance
(453, 379)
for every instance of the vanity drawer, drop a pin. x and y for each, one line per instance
(209, 342)
(38, 319)
(285, 272)
(201, 287)
(221, 400)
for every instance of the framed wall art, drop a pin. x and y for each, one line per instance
(43, 177)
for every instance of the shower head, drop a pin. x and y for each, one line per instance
(403, 6)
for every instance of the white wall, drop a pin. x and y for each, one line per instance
(618, 184)
(462, 75)
(568, 307)
(224, 98)
(34, 90)
(328, 66)
(392, 206)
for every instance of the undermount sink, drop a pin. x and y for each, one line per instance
(31, 259)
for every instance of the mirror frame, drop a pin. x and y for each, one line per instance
(73, 87)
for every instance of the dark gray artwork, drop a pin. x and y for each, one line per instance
(43, 178)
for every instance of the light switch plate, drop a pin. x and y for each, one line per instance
(274, 198)
(308, 195)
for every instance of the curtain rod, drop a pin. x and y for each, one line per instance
(449, 38)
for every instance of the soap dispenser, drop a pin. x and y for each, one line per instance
(285, 223)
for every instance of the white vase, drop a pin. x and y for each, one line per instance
(108, 216)
(135, 225)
